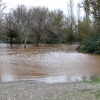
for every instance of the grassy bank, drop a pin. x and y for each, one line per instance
(95, 81)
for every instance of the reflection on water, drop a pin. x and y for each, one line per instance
(47, 63)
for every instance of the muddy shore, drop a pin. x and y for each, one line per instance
(32, 90)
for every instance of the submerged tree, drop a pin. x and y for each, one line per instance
(12, 34)
(38, 22)
(22, 20)
(11, 28)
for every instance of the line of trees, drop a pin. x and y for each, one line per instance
(92, 18)
(41, 25)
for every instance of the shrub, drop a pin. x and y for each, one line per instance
(91, 46)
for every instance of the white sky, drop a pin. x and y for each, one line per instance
(51, 4)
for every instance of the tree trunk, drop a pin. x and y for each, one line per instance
(25, 40)
(11, 40)
(37, 42)
(60, 41)
(38, 39)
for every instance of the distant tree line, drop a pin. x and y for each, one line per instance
(41, 25)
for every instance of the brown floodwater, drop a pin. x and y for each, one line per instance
(47, 63)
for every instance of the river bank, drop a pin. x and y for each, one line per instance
(32, 90)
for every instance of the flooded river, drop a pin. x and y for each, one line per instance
(47, 63)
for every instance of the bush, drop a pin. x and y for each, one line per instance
(91, 46)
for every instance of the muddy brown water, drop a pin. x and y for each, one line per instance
(47, 63)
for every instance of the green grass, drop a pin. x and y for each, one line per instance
(47, 99)
(94, 80)
(97, 94)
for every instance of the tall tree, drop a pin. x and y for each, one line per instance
(23, 20)
(93, 7)
(11, 27)
(56, 21)
(87, 9)
(38, 21)
(71, 19)
(2, 20)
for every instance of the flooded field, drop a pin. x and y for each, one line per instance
(47, 63)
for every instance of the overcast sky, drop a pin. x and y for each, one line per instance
(51, 4)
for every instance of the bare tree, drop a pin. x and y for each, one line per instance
(11, 27)
(38, 21)
(2, 20)
(22, 18)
